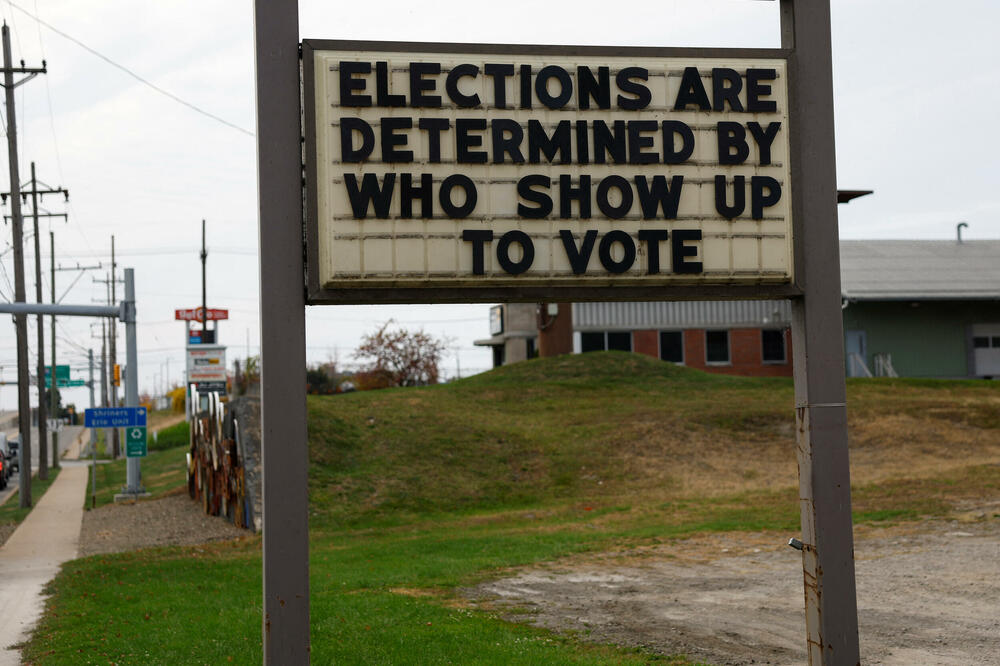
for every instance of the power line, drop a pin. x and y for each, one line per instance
(128, 71)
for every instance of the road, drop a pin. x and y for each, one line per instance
(67, 436)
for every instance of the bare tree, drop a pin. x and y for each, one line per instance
(400, 357)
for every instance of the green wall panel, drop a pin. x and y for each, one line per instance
(925, 338)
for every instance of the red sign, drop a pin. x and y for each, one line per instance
(195, 314)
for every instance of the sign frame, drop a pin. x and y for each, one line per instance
(817, 329)
(316, 294)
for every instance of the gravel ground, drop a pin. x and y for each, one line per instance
(927, 594)
(175, 520)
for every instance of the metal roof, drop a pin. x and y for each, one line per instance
(886, 270)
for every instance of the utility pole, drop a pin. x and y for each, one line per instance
(93, 434)
(113, 331)
(53, 394)
(43, 463)
(204, 300)
(20, 320)
(43, 460)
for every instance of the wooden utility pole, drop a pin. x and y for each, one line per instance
(54, 393)
(43, 463)
(20, 320)
(35, 192)
(204, 299)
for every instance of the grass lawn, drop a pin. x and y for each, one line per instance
(11, 512)
(415, 493)
(162, 471)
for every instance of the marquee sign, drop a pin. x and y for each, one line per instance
(456, 167)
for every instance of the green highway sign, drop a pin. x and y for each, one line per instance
(135, 441)
(70, 382)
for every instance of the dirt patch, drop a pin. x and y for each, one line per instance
(927, 594)
(175, 520)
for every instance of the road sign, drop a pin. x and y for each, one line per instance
(68, 382)
(115, 417)
(135, 442)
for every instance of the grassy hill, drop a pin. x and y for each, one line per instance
(609, 428)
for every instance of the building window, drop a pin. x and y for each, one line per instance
(717, 347)
(981, 342)
(773, 346)
(672, 346)
(620, 340)
(498, 355)
(604, 340)
(531, 350)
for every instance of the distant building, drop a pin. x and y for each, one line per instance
(925, 308)
(910, 308)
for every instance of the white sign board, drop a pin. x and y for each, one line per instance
(471, 169)
(206, 364)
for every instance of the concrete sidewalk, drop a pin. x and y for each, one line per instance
(32, 555)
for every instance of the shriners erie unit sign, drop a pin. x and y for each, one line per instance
(438, 166)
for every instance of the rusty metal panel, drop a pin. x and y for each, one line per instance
(681, 314)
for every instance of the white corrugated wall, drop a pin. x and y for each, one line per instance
(680, 314)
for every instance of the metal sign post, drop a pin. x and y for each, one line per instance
(818, 346)
(756, 220)
(282, 335)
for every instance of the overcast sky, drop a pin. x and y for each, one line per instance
(916, 98)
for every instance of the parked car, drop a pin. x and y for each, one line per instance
(5, 464)
(14, 453)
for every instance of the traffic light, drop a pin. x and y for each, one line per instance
(118, 375)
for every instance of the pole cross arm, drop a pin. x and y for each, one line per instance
(125, 311)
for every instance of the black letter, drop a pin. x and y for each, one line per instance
(764, 139)
(538, 141)
(434, 127)
(568, 193)
(578, 259)
(651, 198)
(525, 86)
(739, 197)
(478, 238)
(604, 251)
(464, 141)
(418, 84)
(626, 85)
(680, 251)
(732, 135)
(604, 143)
(370, 193)
(390, 139)
(756, 89)
(588, 87)
(692, 91)
(542, 86)
(622, 209)
(757, 199)
(471, 195)
(652, 237)
(543, 200)
(382, 96)
(527, 252)
(348, 83)
(670, 128)
(499, 74)
(348, 126)
(721, 93)
(507, 144)
(407, 193)
(636, 141)
(451, 85)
